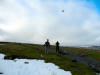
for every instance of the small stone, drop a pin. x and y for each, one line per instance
(1, 73)
(74, 60)
(41, 55)
(26, 62)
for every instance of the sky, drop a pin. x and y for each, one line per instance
(96, 4)
(34, 21)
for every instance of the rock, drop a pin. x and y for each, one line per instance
(74, 60)
(1, 73)
(15, 60)
(41, 55)
(26, 62)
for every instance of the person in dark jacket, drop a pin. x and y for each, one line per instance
(47, 46)
(57, 47)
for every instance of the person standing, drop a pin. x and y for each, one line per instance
(47, 46)
(57, 47)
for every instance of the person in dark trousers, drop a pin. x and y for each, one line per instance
(47, 46)
(57, 47)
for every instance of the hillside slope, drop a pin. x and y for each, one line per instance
(34, 51)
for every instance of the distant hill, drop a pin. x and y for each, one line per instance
(95, 47)
(91, 47)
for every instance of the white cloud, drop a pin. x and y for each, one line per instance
(36, 20)
(1, 38)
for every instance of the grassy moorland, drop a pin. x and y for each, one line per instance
(90, 52)
(34, 51)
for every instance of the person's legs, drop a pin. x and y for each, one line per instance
(45, 49)
(57, 49)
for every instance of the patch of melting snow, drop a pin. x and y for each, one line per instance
(29, 67)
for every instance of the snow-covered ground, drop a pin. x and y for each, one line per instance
(31, 67)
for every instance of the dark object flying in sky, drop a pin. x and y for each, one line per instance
(62, 10)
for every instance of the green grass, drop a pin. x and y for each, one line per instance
(90, 52)
(34, 52)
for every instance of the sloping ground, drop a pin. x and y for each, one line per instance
(17, 50)
(90, 52)
(88, 57)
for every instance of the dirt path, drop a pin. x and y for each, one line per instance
(84, 59)
(81, 58)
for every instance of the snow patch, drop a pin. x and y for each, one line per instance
(34, 67)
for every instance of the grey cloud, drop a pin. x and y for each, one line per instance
(36, 21)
